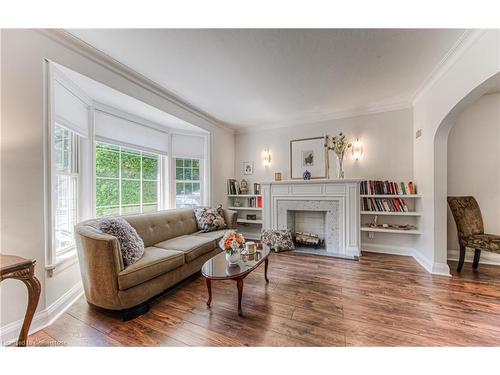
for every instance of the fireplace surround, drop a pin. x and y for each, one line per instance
(337, 200)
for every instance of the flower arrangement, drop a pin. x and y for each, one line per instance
(339, 145)
(231, 242)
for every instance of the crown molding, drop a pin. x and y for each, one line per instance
(318, 119)
(456, 51)
(79, 46)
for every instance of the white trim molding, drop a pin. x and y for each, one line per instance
(43, 318)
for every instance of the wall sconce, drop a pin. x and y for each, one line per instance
(357, 149)
(267, 158)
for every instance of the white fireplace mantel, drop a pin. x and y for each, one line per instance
(339, 199)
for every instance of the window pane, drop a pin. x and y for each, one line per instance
(65, 211)
(188, 175)
(149, 192)
(131, 193)
(107, 211)
(149, 207)
(187, 163)
(189, 188)
(150, 168)
(106, 161)
(179, 173)
(196, 174)
(107, 193)
(196, 164)
(63, 149)
(131, 164)
(179, 162)
(128, 210)
(179, 188)
(196, 188)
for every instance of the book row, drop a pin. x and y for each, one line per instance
(387, 187)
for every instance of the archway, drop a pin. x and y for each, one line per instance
(441, 163)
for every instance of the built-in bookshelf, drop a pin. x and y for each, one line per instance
(247, 200)
(394, 202)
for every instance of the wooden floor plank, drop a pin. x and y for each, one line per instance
(382, 300)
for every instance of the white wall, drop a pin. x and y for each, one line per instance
(474, 164)
(22, 157)
(473, 64)
(387, 139)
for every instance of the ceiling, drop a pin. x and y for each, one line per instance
(246, 78)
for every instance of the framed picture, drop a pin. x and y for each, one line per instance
(248, 167)
(308, 154)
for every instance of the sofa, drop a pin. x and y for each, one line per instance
(174, 250)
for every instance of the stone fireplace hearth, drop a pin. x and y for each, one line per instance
(328, 208)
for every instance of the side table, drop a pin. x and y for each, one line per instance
(14, 267)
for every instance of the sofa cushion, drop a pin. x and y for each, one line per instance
(154, 262)
(191, 246)
(216, 235)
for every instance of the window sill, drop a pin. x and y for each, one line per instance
(62, 262)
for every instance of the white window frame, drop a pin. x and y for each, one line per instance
(55, 258)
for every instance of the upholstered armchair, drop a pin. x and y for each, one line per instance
(470, 229)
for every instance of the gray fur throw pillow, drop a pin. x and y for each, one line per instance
(131, 245)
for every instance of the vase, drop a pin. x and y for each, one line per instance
(340, 166)
(233, 258)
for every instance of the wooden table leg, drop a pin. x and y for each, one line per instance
(34, 288)
(239, 283)
(266, 262)
(209, 287)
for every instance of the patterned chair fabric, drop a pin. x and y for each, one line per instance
(470, 228)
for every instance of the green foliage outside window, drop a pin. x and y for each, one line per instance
(121, 175)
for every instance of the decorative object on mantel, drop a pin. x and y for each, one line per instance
(308, 154)
(232, 243)
(277, 176)
(339, 145)
(306, 175)
(357, 149)
(248, 167)
(244, 187)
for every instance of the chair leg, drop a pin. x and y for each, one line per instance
(477, 255)
(461, 259)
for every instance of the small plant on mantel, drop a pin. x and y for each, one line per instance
(339, 145)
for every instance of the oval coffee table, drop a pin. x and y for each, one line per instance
(217, 268)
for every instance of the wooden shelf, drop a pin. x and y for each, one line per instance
(245, 208)
(390, 230)
(390, 213)
(246, 221)
(244, 195)
(390, 196)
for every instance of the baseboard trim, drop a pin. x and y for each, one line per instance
(486, 257)
(43, 318)
(433, 268)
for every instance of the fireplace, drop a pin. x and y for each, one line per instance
(308, 224)
(327, 208)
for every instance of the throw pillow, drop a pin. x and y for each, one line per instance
(278, 239)
(210, 219)
(131, 245)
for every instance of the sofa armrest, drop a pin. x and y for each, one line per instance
(100, 261)
(231, 218)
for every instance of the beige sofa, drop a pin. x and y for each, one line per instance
(174, 250)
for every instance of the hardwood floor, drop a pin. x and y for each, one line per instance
(382, 300)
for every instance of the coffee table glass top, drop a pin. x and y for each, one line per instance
(218, 267)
